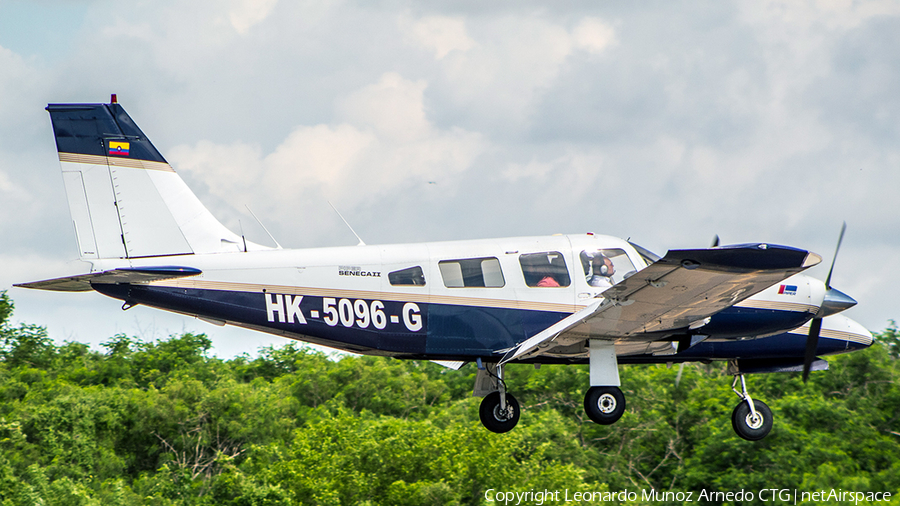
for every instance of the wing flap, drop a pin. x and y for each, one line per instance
(83, 282)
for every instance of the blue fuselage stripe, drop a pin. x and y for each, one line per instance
(445, 330)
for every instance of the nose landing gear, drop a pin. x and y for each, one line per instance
(751, 419)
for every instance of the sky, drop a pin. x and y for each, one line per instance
(666, 122)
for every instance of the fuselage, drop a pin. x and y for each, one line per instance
(464, 300)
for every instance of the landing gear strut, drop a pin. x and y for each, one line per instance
(604, 402)
(751, 419)
(499, 411)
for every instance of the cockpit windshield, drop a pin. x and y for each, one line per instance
(648, 256)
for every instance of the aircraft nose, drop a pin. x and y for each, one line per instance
(835, 301)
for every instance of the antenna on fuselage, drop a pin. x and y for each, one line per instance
(243, 238)
(277, 246)
(361, 243)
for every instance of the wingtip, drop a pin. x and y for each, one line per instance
(812, 259)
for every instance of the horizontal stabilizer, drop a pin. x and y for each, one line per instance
(83, 282)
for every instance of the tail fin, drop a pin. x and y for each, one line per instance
(126, 200)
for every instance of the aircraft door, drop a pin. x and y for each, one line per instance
(547, 284)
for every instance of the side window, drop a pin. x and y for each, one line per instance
(605, 267)
(544, 269)
(472, 272)
(411, 276)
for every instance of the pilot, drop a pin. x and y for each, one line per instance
(602, 270)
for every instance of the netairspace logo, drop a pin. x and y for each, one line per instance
(769, 495)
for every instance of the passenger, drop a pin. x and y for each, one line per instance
(548, 281)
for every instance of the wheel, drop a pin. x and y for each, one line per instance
(604, 405)
(496, 420)
(749, 427)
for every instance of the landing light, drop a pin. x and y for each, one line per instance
(811, 259)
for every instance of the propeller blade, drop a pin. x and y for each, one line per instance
(835, 301)
(715, 243)
(833, 260)
(812, 342)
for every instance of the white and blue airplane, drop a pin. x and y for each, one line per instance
(567, 299)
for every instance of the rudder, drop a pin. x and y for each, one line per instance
(125, 199)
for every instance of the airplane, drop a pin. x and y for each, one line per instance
(564, 299)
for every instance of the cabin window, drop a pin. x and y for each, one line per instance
(472, 272)
(544, 269)
(411, 276)
(605, 267)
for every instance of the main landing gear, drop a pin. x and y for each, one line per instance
(604, 405)
(751, 419)
(499, 411)
(604, 402)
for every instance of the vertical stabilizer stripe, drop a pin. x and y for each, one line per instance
(116, 162)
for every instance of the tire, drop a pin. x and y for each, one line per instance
(493, 419)
(746, 426)
(604, 405)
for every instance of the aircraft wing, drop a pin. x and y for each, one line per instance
(82, 283)
(679, 290)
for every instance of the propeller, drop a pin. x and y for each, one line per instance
(835, 301)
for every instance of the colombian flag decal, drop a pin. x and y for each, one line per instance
(118, 148)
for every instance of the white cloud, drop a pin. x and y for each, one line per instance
(441, 34)
(244, 14)
(393, 107)
(19, 80)
(384, 143)
(593, 35)
(515, 60)
(7, 186)
(818, 14)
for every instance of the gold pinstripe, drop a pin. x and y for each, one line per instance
(365, 294)
(426, 298)
(796, 307)
(835, 334)
(115, 161)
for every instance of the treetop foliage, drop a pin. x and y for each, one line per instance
(165, 422)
